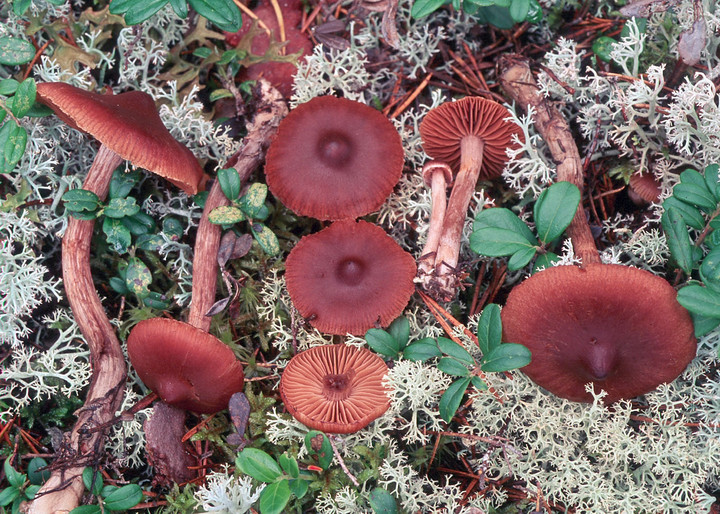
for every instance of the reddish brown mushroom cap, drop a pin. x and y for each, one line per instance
(187, 367)
(349, 277)
(129, 125)
(334, 158)
(444, 127)
(336, 388)
(618, 327)
(645, 186)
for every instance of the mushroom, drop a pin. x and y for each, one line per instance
(349, 277)
(335, 388)
(470, 134)
(334, 158)
(187, 367)
(617, 327)
(437, 175)
(644, 188)
(128, 127)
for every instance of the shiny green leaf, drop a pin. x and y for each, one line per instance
(519, 10)
(299, 487)
(318, 446)
(689, 213)
(506, 357)
(258, 464)
(122, 183)
(230, 183)
(24, 97)
(274, 498)
(254, 199)
(422, 8)
(451, 398)
(120, 207)
(78, 200)
(554, 210)
(382, 502)
(521, 258)
(15, 144)
(700, 300)
(226, 215)
(453, 367)
(382, 342)
(400, 330)
(15, 51)
(93, 481)
(223, 13)
(678, 240)
(289, 465)
(266, 238)
(489, 331)
(138, 277)
(451, 348)
(124, 498)
(422, 350)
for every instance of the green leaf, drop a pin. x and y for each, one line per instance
(8, 495)
(451, 348)
(496, 15)
(120, 207)
(95, 483)
(258, 465)
(498, 242)
(318, 445)
(87, 509)
(122, 183)
(678, 240)
(138, 277)
(14, 478)
(382, 502)
(712, 180)
(266, 238)
(180, 8)
(554, 209)
(535, 12)
(710, 269)
(700, 300)
(117, 235)
(172, 228)
(690, 214)
(253, 201)
(31, 491)
(124, 498)
(298, 487)
(451, 398)
(400, 330)
(230, 183)
(693, 189)
(156, 300)
(602, 47)
(139, 224)
(382, 342)
(478, 383)
(139, 10)
(489, 332)
(499, 217)
(79, 200)
(202, 52)
(226, 215)
(149, 242)
(24, 98)
(8, 86)
(15, 51)
(223, 13)
(118, 285)
(545, 260)
(453, 367)
(703, 324)
(422, 8)
(422, 350)
(20, 6)
(15, 144)
(519, 10)
(274, 497)
(521, 258)
(36, 475)
(289, 465)
(506, 357)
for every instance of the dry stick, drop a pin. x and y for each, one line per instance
(271, 109)
(64, 488)
(519, 84)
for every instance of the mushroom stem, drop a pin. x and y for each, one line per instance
(64, 488)
(518, 82)
(437, 172)
(471, 156)
(271, 109)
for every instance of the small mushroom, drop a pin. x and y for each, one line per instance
(472, 135)
(336, 388)
(128, 127)
(644, 188)
(187, 367)
(437, 175)
(334, 158)
(349, 277)
(617, 327)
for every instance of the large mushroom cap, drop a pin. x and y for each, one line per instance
(349, 277)
(336, 388)
(334, 158)
(187, 367)
(444, 127)
(129, 125)
(620, 328)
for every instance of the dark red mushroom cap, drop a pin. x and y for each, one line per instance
(645, 186)
(349, 277)
(618, 327)
(187, 367)
(334, 158)
(336, 388)
(129, 125)
(444, 127)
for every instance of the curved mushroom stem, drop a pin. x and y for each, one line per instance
(271, 109)
(437, 175)
(64, 488)
(471, 156)
(518, 82)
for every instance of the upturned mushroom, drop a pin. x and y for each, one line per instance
(617, 327)
(349, 278)
(334, 158)
(336, 388)
(437, 175)
(129, 128)
(471, 135)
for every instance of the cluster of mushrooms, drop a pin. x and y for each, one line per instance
(337, 160)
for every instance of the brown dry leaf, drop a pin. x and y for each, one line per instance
(692, 42)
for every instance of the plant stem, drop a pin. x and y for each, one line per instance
(519, 84)
(64, 488)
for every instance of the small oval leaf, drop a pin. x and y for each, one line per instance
(451, 398)
(506, 357)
